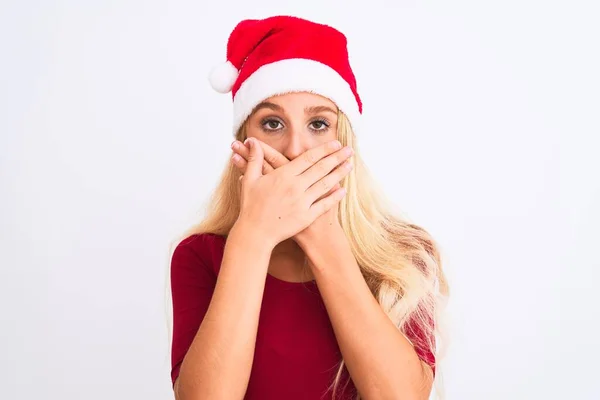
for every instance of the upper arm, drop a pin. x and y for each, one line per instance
(192, 286)
(176, 388)
(424, 345)
(428, 377)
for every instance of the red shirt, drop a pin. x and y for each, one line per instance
(296, 354)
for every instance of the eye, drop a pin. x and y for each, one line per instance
(319, 125)
(271, 124)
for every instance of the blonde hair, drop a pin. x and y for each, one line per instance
(399, 261)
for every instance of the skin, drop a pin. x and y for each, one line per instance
(290, 192)
(287, 126)
(274, 207)
(333, 265)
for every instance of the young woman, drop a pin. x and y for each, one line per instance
(300, 283)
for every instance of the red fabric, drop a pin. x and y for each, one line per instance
(256, 42)
(296, 354)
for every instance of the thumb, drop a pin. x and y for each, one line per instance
(255, 159)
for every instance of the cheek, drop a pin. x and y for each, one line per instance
(315, 140)
(251, 131)
(329, 136)
(271, 140)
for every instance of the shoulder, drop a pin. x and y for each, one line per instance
(200, 242)
(204, 249)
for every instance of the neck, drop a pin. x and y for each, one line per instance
(288, 248)
(288, 262)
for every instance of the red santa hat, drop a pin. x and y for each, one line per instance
(285, 54)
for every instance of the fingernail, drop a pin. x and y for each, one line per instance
(349, 151)
(235, 158)
(250, 142)
(348, 165)
(234, 145)
(337, 145)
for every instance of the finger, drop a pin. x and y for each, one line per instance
(322, 206)
(255, 160)
(239, 162)
(273, 157)
(311, 157)
(324, 167)
(324, 186)
(333, 189)
(244, 152)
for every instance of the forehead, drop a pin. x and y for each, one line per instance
(300, 100)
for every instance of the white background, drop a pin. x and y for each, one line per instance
(481, 120)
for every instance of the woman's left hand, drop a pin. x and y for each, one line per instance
(274, 159)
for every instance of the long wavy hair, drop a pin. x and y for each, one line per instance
(399, 260)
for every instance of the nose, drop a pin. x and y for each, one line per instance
(296, 143)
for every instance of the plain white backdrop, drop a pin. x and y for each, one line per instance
(481, 122)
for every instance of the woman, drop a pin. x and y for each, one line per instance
(300, 283)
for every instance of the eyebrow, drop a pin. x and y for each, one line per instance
(308, 110)
(318, 109)
(266, 104)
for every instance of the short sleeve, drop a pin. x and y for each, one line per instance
(192, 286)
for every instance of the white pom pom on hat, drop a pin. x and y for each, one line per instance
(223, 76)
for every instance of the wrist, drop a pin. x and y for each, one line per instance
(320, 236)
(330, 254)
(248, 233)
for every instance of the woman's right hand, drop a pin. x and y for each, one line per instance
(287, 200)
